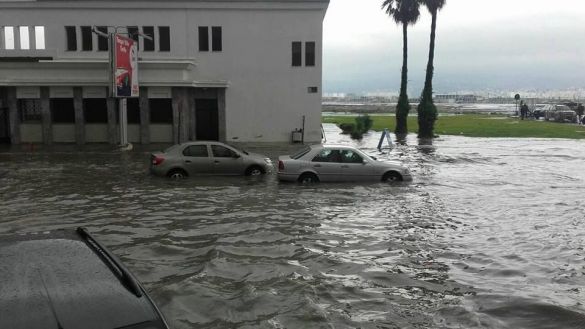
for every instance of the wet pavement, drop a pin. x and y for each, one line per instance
(488, 235)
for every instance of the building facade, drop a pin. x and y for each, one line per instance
(229, 70)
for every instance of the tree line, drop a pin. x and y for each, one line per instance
(405, 13)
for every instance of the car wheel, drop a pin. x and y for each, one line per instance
(308, 178)
(392, 176)
(254, 171)
(177, 174)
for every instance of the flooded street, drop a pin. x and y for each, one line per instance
(488, 235)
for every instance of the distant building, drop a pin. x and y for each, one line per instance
(239, 70)
(450, 98)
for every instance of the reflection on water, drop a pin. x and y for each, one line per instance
(489, 235)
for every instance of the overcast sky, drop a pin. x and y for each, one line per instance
(497, 44)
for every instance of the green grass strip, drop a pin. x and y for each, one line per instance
(478, 125)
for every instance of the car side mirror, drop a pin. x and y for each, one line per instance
(236, 156)
(373, 158)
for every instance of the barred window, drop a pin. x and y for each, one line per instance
(29, 110)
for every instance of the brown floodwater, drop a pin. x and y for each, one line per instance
(488, 235)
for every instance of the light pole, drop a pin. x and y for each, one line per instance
(123, 60)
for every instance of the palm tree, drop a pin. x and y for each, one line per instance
(405, 12)
(427, 111)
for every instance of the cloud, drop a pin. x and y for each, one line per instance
(520, 44)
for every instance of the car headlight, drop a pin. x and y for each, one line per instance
(268, 161)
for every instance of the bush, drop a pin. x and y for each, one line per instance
(362, 125)
(347, 128)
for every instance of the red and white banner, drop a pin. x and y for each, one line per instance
(125, 67)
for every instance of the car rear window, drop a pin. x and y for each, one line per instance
(172, 148)
(300, 153)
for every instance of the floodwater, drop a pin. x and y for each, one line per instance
(488, 235)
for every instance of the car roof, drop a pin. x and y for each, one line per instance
(62, 279)
(340, 146)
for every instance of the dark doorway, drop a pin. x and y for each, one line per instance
(4, 126)
(207, 119)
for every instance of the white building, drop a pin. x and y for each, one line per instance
(230, 70)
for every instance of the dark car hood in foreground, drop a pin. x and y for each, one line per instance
(56, 280)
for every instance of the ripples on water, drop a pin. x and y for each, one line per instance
(489, 235)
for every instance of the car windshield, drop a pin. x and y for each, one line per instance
(300, 153)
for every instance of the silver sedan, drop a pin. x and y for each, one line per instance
(331, 163)
(207, 158)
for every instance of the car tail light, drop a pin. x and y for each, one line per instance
(280, 165)
(157, 160)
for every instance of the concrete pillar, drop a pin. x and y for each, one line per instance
(221, 108)
(144, 105)
(192, 115)
(46, 116)
(79, 118)
(113, 131)
(180, 115)
(13, 115)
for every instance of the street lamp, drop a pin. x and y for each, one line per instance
(123, 59)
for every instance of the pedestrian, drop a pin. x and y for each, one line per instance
(580, 111)
(523, 110)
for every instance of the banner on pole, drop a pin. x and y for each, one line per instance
(124, 67)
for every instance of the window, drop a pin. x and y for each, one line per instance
(301, 153)
(216, 38)
(9, 37)
(29, 110)
(199, 151)
(86, 38)
(133, 34)
(133, 110)
(313, 90)
(297, 53)
(327, 155)
(349, 156)
(95, 110)
(24, 37)
(309, 53)
(164, 33)
(39, 37)
(103, 44)
(71, 38)
(161, 110)
(203, 38)
(62, 110)
(222, 152)
(148, 44)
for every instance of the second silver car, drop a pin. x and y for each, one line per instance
(331, 163)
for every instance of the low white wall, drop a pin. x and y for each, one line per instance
(96, 133)
(134, 133)
(31, 132)
(64, 133)
(161, 133)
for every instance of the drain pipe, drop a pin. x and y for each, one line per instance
(303, 131)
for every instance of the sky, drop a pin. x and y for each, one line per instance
(480, 45)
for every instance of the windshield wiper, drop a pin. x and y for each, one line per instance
(123, 275)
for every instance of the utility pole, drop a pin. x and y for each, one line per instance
(123, 75)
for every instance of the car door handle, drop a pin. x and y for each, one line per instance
(187, 161)
(216, 161)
